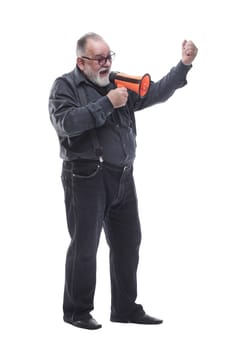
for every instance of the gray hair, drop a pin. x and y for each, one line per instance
(82, 42)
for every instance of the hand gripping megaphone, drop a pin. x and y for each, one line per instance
(140, 85)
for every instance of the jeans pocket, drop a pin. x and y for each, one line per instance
(85, 170)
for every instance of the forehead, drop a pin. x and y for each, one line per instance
(97, 47)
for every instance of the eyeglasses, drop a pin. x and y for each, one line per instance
(102, 60)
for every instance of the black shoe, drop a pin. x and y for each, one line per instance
(90, 323)
(145, 319)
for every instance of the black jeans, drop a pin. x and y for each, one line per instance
(99, 195)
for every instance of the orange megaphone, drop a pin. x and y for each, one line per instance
(140, 85)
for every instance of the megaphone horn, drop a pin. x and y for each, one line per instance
(140, 85)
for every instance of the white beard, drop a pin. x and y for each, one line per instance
(95, 78)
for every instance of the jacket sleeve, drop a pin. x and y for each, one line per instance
(162, 90)
(67, 115)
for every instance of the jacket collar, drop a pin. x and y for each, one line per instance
(79, 76)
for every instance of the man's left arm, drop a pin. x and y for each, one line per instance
(163, 89)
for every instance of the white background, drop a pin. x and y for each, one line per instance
(183, 172)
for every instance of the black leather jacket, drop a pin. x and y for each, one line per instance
(75, 120)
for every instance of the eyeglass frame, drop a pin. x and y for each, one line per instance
(104, 60)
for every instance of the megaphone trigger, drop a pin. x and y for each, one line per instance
(140, 85)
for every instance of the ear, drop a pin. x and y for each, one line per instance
(80, 63)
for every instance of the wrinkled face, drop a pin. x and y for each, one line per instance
(96, 62)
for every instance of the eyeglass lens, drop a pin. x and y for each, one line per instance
(103, 60)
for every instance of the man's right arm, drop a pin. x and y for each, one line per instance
(69, 117)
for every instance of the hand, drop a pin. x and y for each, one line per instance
(118, 97)
(189, 52)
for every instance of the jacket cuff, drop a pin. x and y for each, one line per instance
(106, 105)
(180, 71)
(183, 68)
(100, 110)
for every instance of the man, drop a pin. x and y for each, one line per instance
(95, 124)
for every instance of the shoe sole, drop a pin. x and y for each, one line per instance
(135, 322)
